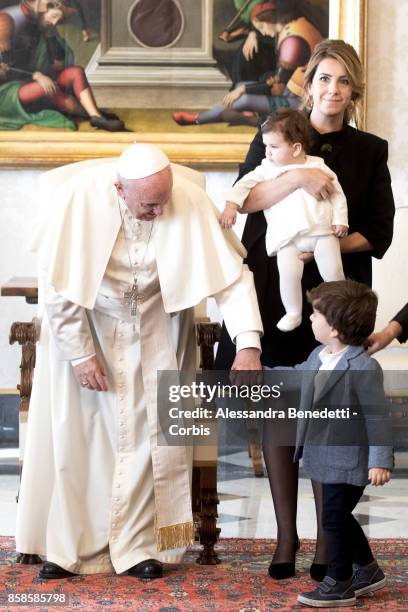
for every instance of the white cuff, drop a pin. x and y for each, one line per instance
(75, 362)
(248, 339)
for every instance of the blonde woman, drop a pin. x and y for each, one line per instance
(334, 90)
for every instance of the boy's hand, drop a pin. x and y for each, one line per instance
(378, 476)
(340, 230)
(228, 215)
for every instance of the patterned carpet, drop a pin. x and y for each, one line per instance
(239, 584)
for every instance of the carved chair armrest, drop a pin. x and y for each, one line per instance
(207, 334)
(26, 335)
(204, 489)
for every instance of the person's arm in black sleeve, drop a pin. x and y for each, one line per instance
(255, 155)
(379, 218)
(402, 319)
(396, 328)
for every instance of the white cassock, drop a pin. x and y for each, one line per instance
(98, 493)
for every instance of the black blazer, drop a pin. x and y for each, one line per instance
(360, 161)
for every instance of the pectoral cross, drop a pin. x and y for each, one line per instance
(131, 298)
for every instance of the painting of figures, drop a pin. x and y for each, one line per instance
(178, 68)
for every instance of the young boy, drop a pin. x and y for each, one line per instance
(343, 317)
(298, 223)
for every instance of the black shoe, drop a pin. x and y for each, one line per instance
(104, 123)
(330, 593)
(367, 579)
(280, 571)
(150, 569)
(52, 571)
(318, 571)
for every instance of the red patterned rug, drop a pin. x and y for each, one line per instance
(239, 584)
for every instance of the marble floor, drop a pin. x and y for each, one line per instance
(246, 510)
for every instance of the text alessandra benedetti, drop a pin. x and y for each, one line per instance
(269, 413)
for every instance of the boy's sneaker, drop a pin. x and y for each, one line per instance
(330, 593)
(368, 578)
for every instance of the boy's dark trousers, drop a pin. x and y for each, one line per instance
(346, 541)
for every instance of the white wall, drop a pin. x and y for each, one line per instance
(387, 116)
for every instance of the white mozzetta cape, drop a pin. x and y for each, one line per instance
(80, 221)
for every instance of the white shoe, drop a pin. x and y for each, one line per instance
(289, 322)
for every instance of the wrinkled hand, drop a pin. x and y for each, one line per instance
(233, 96)
(306, 257)
(228, 215)
(247, 367)
(90, 375)
(46, 83)
(340, 230)
(4, 70)
(316, 182)
(378, 476)
(250, 47)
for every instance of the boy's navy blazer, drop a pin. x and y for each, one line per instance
(344, 388)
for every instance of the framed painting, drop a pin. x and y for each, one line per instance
(81, 79)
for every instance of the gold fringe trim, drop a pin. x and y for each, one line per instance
(174, 536)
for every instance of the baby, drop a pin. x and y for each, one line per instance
(299, 223)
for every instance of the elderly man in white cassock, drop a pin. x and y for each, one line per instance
(127, 247)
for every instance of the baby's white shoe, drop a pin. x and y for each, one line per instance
(289, 321)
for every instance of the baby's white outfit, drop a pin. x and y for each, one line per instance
(297, 224)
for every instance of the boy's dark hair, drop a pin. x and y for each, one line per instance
(348, 306)
(292, 124)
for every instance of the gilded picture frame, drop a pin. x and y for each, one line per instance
(51, 148)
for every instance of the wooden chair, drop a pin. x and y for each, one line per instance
(204, 477)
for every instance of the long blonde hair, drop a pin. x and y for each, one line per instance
(346, 55)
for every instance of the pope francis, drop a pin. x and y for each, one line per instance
(127, 248)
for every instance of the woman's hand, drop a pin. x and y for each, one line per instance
(250, 46)
(45, 82)
(233, 96)
(306, 256)
(316, 182)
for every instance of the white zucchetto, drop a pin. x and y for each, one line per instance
(141, 160)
